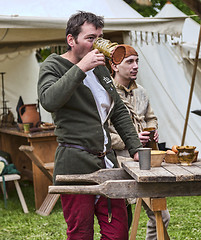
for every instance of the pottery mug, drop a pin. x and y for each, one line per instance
(111, 50)
(151, 143)
(26, 127)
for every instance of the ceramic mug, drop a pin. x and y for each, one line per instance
(151, 143)
(26, 127)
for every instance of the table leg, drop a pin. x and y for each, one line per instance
(165, 232)
(136, 218)
(159, 225)
(157, 205)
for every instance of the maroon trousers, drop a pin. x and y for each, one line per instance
(79, 213)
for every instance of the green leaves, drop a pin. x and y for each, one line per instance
(148, 11)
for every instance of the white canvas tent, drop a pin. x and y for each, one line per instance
(28, 25)
(34, 24)
(165, 70)
(21, 70)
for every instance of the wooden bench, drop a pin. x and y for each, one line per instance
(51, 199)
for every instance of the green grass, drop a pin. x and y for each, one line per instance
(185, 222)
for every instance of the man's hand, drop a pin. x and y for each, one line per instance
(144, 137)
(156, 135)
(91, 60)
(136, 157)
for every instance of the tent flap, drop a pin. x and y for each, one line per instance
(23, 32)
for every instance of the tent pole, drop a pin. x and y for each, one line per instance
(191, 90)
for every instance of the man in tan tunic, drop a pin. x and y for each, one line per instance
(138, 105)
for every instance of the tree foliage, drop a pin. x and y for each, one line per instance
(151, 11)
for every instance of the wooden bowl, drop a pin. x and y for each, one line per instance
(157, 158)
(186, 155)
(171, 158)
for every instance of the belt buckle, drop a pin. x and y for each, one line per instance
(101, 154)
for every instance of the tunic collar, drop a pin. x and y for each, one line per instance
(120, 86)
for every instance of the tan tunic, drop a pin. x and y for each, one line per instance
(137, 102)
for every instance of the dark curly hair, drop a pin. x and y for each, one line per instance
(76, 21)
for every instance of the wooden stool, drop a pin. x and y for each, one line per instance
(15, 178)
(156, 205)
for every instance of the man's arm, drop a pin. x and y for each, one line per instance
(152, 121)
(117, 143)
(150, 118)
(124, 127)
(55, 89)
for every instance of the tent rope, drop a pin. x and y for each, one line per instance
(14, 55)
(191, 61)
(6, 32)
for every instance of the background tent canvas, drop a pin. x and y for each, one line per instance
(28, 25)
(65, 8)
(20, 78)
(35, 24)
(165, 70)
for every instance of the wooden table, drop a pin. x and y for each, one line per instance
(44, 143)
(169, 180)
(168, 173)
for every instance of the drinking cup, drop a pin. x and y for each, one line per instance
(144, 158)
(26, 127)
(151, 143)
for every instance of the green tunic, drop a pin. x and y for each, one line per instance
(61, 91)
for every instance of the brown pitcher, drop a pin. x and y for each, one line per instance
(31, 115)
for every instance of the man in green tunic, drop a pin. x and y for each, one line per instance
(77, 89)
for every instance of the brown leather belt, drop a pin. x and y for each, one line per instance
(98, 154)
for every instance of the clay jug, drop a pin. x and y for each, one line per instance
(31, 115)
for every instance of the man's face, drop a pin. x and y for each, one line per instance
(84, 42)
(128, 68)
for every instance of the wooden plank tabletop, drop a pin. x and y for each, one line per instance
(153, 175)
(165, 173)
(169, 180)
(16, 132)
